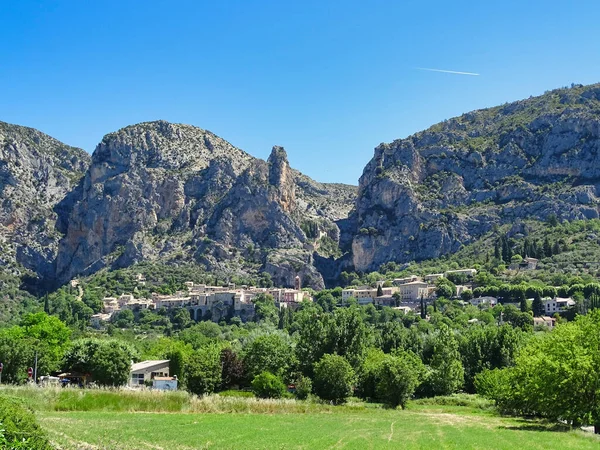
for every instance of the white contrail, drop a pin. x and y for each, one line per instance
(448, 71)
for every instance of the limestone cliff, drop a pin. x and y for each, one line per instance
(426, 195)
(36, 172)
(179, 193)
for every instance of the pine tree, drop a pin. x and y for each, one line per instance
(379, 291)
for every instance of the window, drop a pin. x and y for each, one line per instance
(137, 378)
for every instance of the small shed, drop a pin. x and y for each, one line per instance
(165, 383)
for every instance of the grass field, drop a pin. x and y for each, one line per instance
(126, 420)
(424, 427)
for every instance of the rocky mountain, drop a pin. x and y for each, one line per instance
(170, 192)
(429, 194)
(178, 194)
(36, 173)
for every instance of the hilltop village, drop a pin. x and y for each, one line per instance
(409, 294)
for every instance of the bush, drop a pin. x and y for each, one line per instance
(334, 378)
(19, 429)
(303, 388)
(267, 385)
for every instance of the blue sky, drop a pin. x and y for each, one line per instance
(328, 80)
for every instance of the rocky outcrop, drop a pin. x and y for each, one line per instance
(425, 196)
(282, 180)
(36, 172)
(178, 193)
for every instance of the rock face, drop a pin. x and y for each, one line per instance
(36, 172)
(176, 192)
(426, 195)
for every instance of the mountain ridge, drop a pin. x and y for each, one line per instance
(181, 194)
(441, 188)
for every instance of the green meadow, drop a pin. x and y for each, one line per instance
(128, 420)
(418, 428)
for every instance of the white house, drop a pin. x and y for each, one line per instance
(557, 305)
(410, 279)
(432, 277)
(467, 272)
(147, 371)
(490, 301)
(412, 292)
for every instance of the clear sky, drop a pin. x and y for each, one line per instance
(328, 80)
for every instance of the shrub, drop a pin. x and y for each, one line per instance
(267, 385)
(334, 378)
(303, 388)
(19, 429)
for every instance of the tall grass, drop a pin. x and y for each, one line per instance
(124, 400)
(472, 401)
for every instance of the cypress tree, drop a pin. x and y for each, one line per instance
(556, 248)
(497, 253)
(537, 306)
(547, 248)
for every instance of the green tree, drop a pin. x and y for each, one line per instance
(552, 220)
(392, 335)
(203, 370)
(466, 295)
(303, 388)
(181, 318)
(568, 358)
(108, 361)
(399, 376)
(265, 309)
(325, 300)
(445, 288)
(268, 352)
(537, 307)
(124, 318)
(488, 347)
(369, 374)
(334, 379)
(267, 385)
(16, 353)
(446, 374)
(348, 335)
(311, 337)
(111, 365)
